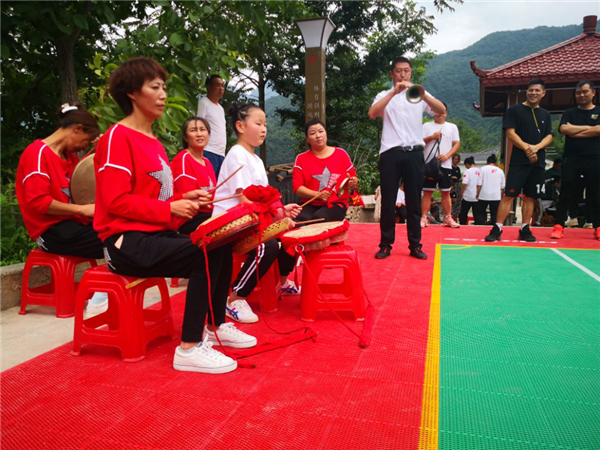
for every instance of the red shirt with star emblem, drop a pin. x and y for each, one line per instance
(318, 173)
(134, 184)
(43, 176)
(189, 174)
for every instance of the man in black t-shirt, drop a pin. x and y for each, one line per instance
(581, 158)
(529, 128)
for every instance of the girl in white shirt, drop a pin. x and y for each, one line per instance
(250, 125)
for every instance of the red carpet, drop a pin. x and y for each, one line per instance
(325, 395)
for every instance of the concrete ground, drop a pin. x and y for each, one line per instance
(39, 331)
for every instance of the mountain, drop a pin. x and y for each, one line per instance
(449, 76)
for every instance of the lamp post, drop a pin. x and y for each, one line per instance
(315, 33)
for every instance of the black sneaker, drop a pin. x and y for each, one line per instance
(417, 253)
(383, 253)
(525, 234)
(495, 234)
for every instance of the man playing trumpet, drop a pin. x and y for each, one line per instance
(401, 154)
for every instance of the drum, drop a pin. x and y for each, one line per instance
(250, 242)
(83, 182)
(316, 236)
(235, 223)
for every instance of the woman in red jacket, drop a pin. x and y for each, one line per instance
(316, 172)
(43, 186)
(137, 213)
(191, 170)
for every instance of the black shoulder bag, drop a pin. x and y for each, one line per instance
(433, 168)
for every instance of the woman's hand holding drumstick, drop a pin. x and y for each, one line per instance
(323, 195)
(353, 182)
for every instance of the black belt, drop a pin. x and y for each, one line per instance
(408, 148)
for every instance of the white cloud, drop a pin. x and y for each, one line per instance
(475, 19)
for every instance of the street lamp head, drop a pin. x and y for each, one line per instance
(316, 32)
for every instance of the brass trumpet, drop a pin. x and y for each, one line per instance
(414, 94)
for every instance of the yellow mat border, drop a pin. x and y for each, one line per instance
(428, 431)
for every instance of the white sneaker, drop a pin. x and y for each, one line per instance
(572, 222)
(97, 304)
(450, 222)
(230, 336)
(424, 222)
(203, 359)
(588, 225)
(240, 311)
(289, 288)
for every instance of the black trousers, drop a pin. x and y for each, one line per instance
(480, 211)
(246, 280)
(575, 170)
(71, 239)
(336, 213)
(465, 207)
(410, 167)
(190, 226)
(170, 254)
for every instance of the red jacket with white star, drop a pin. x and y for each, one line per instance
(189, 174)
(317, 174)
(134, 184)
(43, 176)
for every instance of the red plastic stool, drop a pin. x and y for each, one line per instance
(269, 284)
(130, 326)
(174, 282)
(60, 292)
(345, 296)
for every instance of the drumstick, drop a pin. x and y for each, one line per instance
(221, 199)
(224, 181)
(304, 222)
(135, 283)
(317, 196)
(310, 200)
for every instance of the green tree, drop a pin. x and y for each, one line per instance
(367, 37)
(470, 139)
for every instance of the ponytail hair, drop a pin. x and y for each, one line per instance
(240, 112)
(74, 113)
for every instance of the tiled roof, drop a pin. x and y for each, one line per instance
(573, 60)
(481, 157)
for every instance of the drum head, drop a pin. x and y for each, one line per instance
(316, 236)
(235, 223)
(83, 182)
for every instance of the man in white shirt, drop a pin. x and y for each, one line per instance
(210, 109)
(492, 183)
(440, 137)
(470, 190)
(401, 155)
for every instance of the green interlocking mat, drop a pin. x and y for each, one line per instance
(519, 348)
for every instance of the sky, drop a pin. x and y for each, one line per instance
(475, 19)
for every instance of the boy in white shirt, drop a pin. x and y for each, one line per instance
(470, 189)
(446, 134)
(492, 183)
